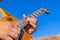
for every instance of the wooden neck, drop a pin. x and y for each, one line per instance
(22, 23)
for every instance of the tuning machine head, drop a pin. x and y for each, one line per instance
(45, 10)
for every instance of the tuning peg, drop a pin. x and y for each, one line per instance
(47, 12)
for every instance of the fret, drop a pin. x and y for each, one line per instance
(34, 15)
(19, 25)
(22, 22)
(25, 20)
(31, 15)
(38, 12)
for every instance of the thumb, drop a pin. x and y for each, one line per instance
(24, 16)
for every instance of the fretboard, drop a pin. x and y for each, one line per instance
(23, 22)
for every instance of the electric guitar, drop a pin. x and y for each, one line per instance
(23, 22)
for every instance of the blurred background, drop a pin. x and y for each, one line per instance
(48, 25)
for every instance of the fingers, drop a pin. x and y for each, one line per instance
(34, 25)
(30, 19)
(33, 20)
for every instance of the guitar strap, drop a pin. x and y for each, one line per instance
(21, 34)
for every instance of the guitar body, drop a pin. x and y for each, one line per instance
(9, 18)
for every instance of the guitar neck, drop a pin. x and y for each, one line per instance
(23, 22)
(39, 12)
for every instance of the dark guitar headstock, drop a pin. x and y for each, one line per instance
(45, 10)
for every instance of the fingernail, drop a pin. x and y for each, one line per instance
(27, 18)
(30, 23)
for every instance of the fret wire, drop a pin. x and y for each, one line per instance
(22, 22)
(32, 15)
(19, 25)
(35, 14)
(25, 20)
(40, 11)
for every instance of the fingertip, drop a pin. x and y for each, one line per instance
(31, 23)
(28, 19)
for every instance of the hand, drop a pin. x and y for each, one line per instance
(8, 31)
(31, 26)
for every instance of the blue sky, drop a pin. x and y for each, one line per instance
(47, 24)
